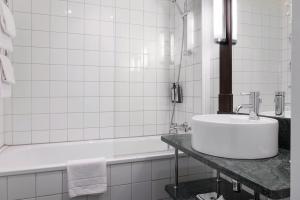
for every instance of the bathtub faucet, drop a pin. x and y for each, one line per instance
(174, 128)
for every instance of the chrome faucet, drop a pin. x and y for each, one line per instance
(175, 127)
(253, 106)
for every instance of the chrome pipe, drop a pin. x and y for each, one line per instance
(176, 169)
(218, 189)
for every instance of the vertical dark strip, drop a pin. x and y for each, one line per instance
(225, 95)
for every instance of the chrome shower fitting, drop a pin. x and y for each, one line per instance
(174, 128)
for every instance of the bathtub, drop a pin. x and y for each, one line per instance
(137, 169)
(51, 157)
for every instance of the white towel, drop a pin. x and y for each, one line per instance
(5, 39)
(221, 198)
(5, 90)
(7, 70)
(87, 177)
(7, 21)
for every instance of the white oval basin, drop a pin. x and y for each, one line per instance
(235, 136)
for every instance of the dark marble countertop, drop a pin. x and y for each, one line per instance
(270, 177)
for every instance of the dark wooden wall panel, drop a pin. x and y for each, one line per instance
(225, 95)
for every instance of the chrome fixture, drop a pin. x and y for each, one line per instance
(253, 106)
(236, 186)
(175, 90)
(188, 27)
(279, 101)
(176, 93)
(174, 128)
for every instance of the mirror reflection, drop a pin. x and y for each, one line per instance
(262, 55)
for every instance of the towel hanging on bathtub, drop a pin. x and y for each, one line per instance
(87, 177)
(7, 21)
(7, 70)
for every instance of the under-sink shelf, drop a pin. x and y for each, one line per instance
(268, 177)
(189, 190)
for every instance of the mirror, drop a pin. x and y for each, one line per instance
(262, 55)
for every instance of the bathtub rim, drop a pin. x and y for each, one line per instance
(123, 159)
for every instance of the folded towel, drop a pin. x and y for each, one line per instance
(221, 198)
(7, 70)
(5, 39)
(86, 177)
(7, 21)
(206, 196)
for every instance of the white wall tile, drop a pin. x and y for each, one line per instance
(58, 8)
(75, 104)
(3, 188)
(120, 174)
(52, 197)
(141, 191)
(107, 13)
(41, 6)
(21, 187)
(22, 5)
(40, 122)
(136, 4)
(40, 22)
(158, 189)
(92, 12)
(76, 10)
(58, 40)
(23, 38)
(40, 55)
(121, 192)
(141, 171)
(58, 121)
(48, 183)
(22, 20)
(161, 169)
(72, 62)
(21, 138)
(22, 55)
(58, 24)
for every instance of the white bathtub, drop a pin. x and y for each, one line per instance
(26, 159)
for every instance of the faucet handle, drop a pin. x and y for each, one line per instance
(186, 127)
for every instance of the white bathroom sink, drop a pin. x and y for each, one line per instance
(235, 136)
(287, 114)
